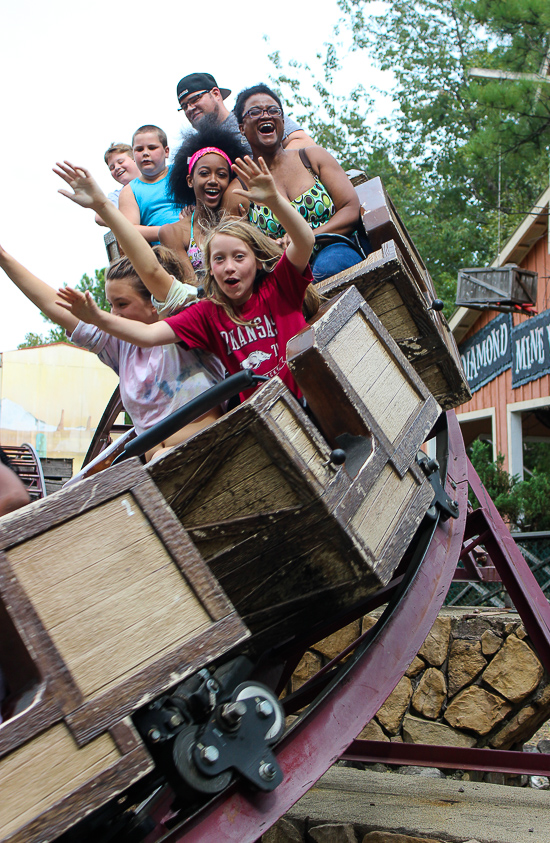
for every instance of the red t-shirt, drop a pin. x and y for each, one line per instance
(276, 311)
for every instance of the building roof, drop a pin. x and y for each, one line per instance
(533, 227)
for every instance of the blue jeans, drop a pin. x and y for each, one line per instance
(333, 259)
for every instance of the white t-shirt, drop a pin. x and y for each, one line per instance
(114, 196)
(154, 382)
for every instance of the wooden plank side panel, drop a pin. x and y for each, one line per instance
(312, 449)
(101, 644)
(397, 299)
(389, 516)
(50, 770)
(183, 471)
(245, 483)
(62, 564)
(370, 521)
(374, 374)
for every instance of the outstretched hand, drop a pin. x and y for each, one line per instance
(79, 304)
(87, 192)
(259, 181)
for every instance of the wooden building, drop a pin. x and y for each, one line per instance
(506, 355)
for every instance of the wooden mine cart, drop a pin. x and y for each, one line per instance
(137, 603)
(116, 589)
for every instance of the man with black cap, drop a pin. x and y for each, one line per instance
(199, 96)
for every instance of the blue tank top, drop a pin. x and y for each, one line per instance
(155, 206)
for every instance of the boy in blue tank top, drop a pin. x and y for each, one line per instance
(145, 201)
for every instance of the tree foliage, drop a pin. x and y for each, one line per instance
(95, 285)
(463, 158)
(523, 503)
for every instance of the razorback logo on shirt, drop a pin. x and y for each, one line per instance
(264, 326)
(255, 359)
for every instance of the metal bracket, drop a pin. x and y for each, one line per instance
(239, 736)
(447, 507)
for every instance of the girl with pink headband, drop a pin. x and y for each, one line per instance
(199, 177)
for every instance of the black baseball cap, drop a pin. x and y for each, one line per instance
(198, 82)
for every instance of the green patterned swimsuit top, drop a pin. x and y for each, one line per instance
(315, 205)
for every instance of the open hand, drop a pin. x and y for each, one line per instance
(81, 305)
(258, 179)
(283, 241)
(87, 192)
(186, 211)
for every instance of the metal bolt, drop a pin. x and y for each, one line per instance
(212, 685)
(232, 713)
(154, 735)
(176, 720)
(338, 456)
(267, 771)
(210, 754)
(264, 708)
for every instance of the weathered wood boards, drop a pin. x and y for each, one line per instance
(382, 223)
(357, 382)
(106, 600)
(386, 283)
(104, 604)
(280, 526)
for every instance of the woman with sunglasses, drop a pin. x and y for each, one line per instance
(311, 179)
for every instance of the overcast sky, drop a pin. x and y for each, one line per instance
(75, 77)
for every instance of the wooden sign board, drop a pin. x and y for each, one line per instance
(105, 603)
(423, 335)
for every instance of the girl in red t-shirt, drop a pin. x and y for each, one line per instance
(254, 294)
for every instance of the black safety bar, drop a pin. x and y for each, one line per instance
(200, 405)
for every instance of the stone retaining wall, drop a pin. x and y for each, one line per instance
(286, 831)
(476, 681)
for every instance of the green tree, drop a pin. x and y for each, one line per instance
(54, 335)
(498, 483)
(463, 159)
(95, 285)
(523, 503)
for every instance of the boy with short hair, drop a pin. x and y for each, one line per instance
(120, 161)
(146, 201)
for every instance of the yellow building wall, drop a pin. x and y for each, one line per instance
(53, 396)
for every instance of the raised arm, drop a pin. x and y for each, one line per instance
(88, 194)
(175, 236)
(297, 140)
(130, 209)
(40, 293)
(341, 191)
(262, 190)
(83, 308)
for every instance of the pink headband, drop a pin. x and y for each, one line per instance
(194, 158)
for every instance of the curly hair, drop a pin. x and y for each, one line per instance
(209, 134)
(249, 92)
